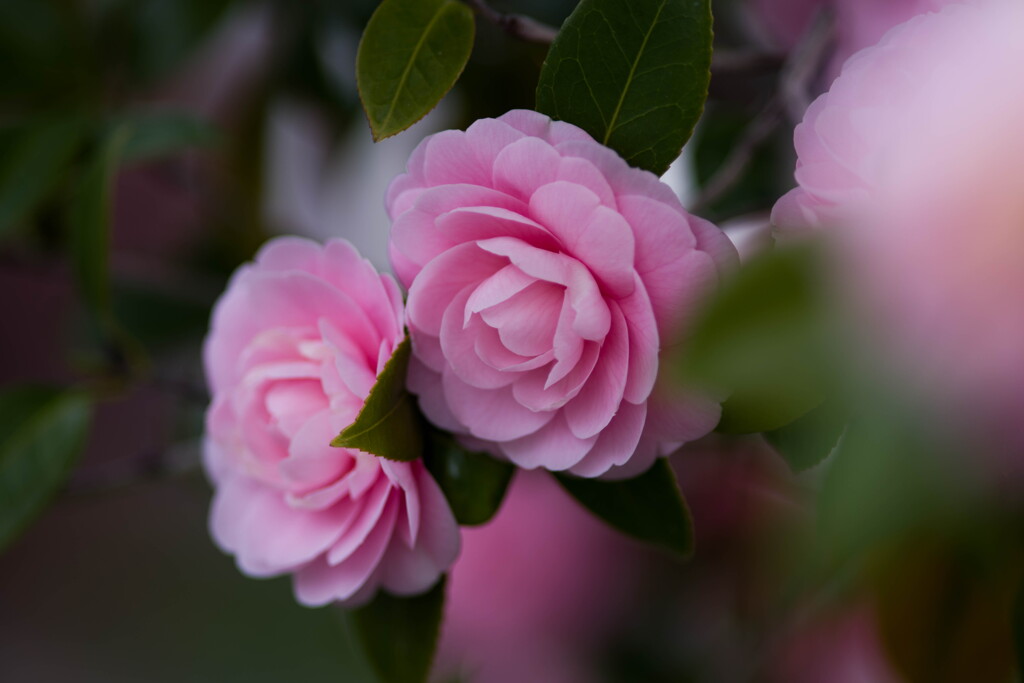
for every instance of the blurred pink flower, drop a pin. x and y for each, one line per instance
(785, 21)
(295, 346)
(858, 23)
(840, 647)
(537, 591)
(544, 277)
(916, 156)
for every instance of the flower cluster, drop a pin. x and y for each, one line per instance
(544, 277)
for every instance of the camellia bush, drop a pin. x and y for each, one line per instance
(695, 352)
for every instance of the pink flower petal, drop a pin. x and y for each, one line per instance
(643, 345)
(458, 345)
(426, 384)
(492, 414)
(596, 235)
(616, 444)
(524, 166)
(450, 159)
(484, 222)
(583, 173)
(553, 447)
(312, 463)
(442, 280)
(319, 583)
(593, 407)
(526, 321)
(267, 535)
(371, 512)
(498, 288)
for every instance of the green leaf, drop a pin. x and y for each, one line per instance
(649, 507)
(36, 161)
(89, 220)
(158, 134)
(473, 483)
(388, 425)
(810, 439)
(41, 433)
(411, 54)
(632, 74)
(766, 341)
(399, 634)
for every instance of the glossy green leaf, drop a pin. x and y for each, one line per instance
(765, 341)
(632, 74)
(41, 433)
(649, 507)
(161, 133)
(410, 56)
(399, 634)
(810, 439)
(30, 168)
(388, 425)
(474, 483)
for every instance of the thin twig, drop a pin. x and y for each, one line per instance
(804, 64)
(114, 475)
(516, 25)
(744, 62)
(796, 81)
(735, 165)
(187, 391)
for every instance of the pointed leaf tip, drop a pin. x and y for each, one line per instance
(388, 425)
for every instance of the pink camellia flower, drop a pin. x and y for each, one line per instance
(544, 276)
(295, 346)
(914, 161)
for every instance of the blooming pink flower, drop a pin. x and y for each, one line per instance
(544, 276)
(296, 344)
(916, 156)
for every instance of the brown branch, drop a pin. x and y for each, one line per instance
(731, 171)
(796, 81)
(516, 25)
(178, 460)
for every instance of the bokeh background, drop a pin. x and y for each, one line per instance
(250, 126)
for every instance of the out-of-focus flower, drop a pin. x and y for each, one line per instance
(915, 156)
(544, 277)
(858, 23)
(842, 647)
(785, 21)
(296, 344)
(538, 591)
